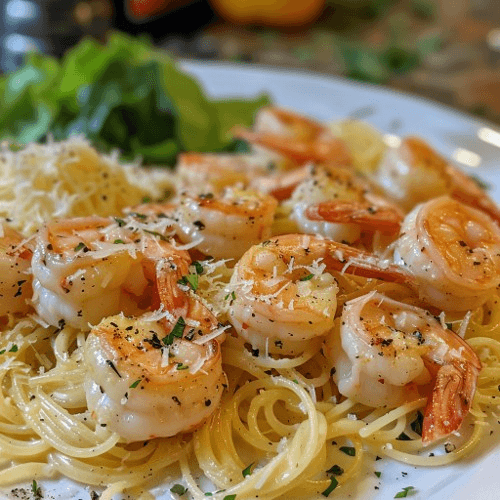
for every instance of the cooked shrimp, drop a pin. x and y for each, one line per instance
(337, 204)
(283, 296)
(453, 253)
(225, 226)
(88, 268)
(414, 172)
(212, 172)
(387, 350)
(145, 381)
(15, 276)
(447, 251)
(297, 137)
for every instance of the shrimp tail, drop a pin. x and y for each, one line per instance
(347, 259)
(330, 150)
(450, 400)
(364, 214)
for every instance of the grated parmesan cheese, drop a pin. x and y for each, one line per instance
(69, 179)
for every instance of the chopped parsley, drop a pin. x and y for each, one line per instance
(14, 348)
(229, 497)
(232, 295)
(336, 470)
(181, 366)
(247, 471)
(377, 473)
(178, 489)
(176, 332)
(190, 280)
(120, 222)
(197, 265)
(348, 450)
(80, 246)
(333, 484)
(307, 278)
(135, 384)
(404, 492)
(118, 241)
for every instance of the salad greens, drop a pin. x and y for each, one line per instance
(125, 94)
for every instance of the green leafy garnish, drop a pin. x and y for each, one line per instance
(404, 492)
(378, 473)
(178, 489)
(176, 332)
(118, 241)
(14, 348)
(307, 278)
(333, 484)
(79, 246)
(229, 497)
(181, 366)
(190, 280)
(135, 384)
(124, 95)
(348, 450)
(247, 471)
(336, 470)
(197, 265)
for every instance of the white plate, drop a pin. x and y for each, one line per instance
(455, 135)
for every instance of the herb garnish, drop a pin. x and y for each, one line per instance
(307, 278)
(336, 470)
(178, 489)
(190, 280)
(79, 246)
(248, 470)
(333, 484)
(348, 450)
(404, 492)
(176, 332)
(135, 384)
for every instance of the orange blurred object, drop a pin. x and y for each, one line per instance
(145, 10)
(275, 13)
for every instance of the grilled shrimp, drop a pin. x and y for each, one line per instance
(296, 137)
(388, 351)
(414, 172)
(212, 172)
(146, 380)
(226, 225)
(85, 269)
(283, 296)
(447, 251)
(15, 276)
(453, 253)
(337, 204)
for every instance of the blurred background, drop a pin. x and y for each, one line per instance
(445, 50)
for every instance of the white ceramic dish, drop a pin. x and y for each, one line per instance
(454, 134)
